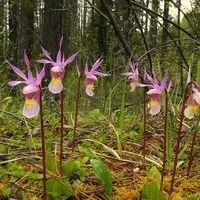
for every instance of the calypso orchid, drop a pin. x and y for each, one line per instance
(58, 70)
(133, 76)
(31, 91)
(193, 104)
(92, 76)
(155, 92)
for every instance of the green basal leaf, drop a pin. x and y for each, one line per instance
(51, 163)
(151, 192)
(73, 170)
(155, 175)
(102, 173)
(56, 190)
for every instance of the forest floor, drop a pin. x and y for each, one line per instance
(20, 160)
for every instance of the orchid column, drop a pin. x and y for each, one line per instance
(33, 103)
(57, 73)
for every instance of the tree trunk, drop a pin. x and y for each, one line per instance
(52, 25)
(164, 30)
(14, 31)
(153, 25)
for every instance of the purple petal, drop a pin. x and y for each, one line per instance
(30, 75)
(43, 61)
(91, 76)
(154, 91)
(169, 86)
(26, 60)
(164, 81)
(58, 58)
(96, 64)
(142, 85)
(70, 59)
(86, 71)
(46, 53)
(61, 41)
(40, 76)
(127, 74)
(96, 73)
(14, 83)
(19, 72)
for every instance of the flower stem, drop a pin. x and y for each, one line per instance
(76, 111)
(165, 140)
(43, 147)
(191, 156)
(177, 147)
(144, 126)
(61, 128)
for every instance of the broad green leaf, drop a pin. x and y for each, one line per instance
(155, 175)
(73, 169)
(51, 163)
(152, 192)
(56, 190)
(88, 152)
(102, 172)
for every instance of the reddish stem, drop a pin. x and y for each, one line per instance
(144, 126)
(43, 147)
(191, 156)
(76, 111)
(177, 147)
(61, 128)
(165, 140)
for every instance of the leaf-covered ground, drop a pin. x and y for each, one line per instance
(97, 137)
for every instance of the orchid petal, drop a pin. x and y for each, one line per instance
(30, 75)
(70, 59)
(19, 72)
(91, 76)
(45, 52)
(26, 60)
(154, 91)
(56, 85)
(40, 76)
(155, 107)
(14, 83)
(100, 74)
(31, 108)
(190, 111)
(44, 61)
(96, 64)
(90, 90)
(164, 81)
(58, 58)
(86, 71)
(127, 74)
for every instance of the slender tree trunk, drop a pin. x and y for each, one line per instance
(14, 30)
(52, 25)
(164, 31)
(153, 30)
(27, 26)
(179, 43)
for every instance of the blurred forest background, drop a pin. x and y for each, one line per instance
(116, 29)
(161, 34)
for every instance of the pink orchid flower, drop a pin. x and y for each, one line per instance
(193, 104)
(31, 91)
(58, 70)
(92, 76)
(133, 76)
(156, 93)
